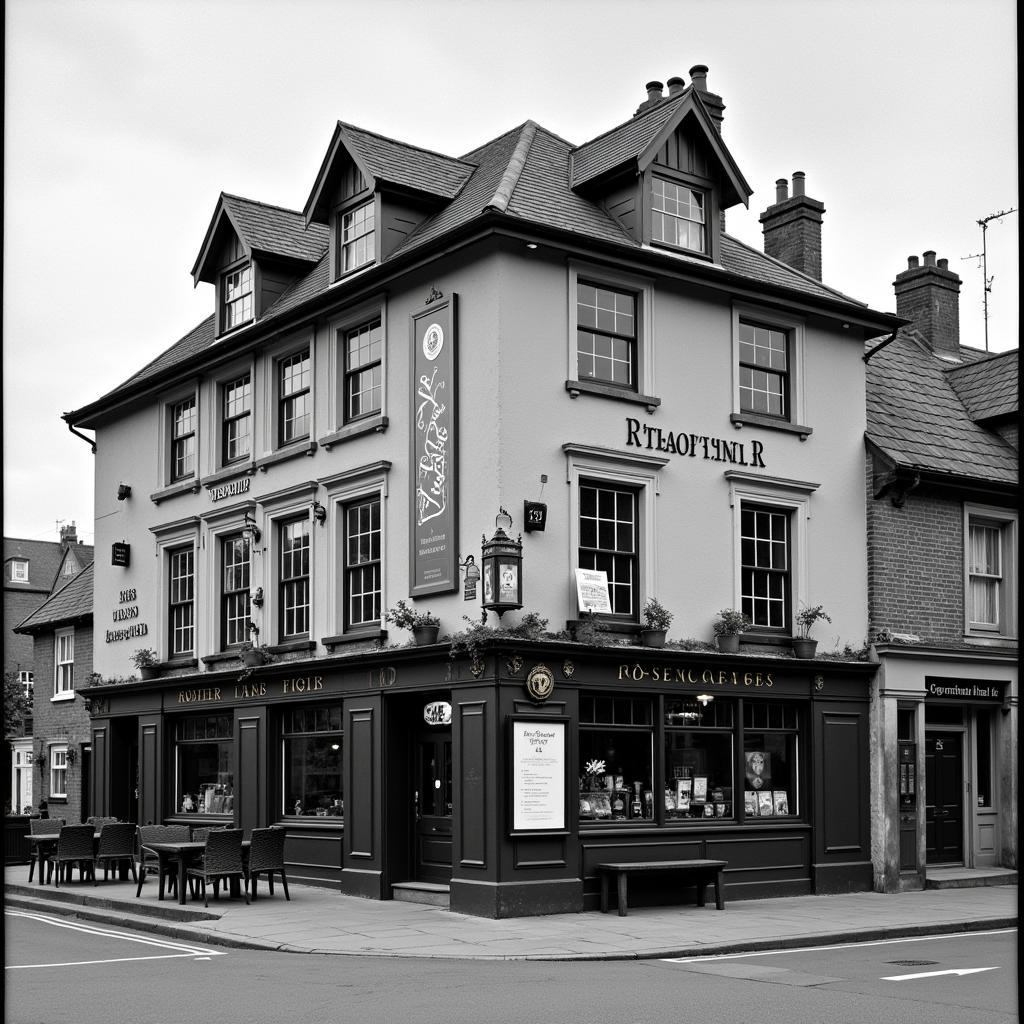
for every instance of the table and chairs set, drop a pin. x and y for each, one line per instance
(181, 857)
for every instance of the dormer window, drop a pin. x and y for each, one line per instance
(356, 229)
(236, 297)
(19, 572)
(678, 215)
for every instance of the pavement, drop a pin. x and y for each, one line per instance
(321, 920)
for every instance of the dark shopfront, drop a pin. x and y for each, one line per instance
(513, 781)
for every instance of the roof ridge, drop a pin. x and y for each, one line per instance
(406, 145)
(513, 169)
(632, 120)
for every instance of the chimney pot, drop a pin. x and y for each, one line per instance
(653, 92)
(699, 77)
(798, 183)
(781, 190)
(676, 85)
(929, 258)
(912, 263)
(943, 264)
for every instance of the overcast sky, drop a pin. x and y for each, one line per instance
(124, 120)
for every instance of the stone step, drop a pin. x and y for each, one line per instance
(969, 878)
(431, 893)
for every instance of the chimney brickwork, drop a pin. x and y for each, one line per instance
(929, 295)
(792, 227)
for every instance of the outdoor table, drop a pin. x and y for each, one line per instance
(181, 850)
(46, 843)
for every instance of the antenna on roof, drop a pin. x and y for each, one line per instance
(983, 256)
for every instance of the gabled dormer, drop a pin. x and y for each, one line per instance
(372, 193)
(666, 175)
(251, 253)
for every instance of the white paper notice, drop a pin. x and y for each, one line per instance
(538, 775)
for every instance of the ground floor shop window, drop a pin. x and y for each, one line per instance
(616, 754)
(698, 759)
(312, 744)
(770, 759)
(204, 776)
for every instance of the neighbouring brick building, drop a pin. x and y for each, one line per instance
(943, 555)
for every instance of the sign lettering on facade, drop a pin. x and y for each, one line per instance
(126, 611)
(699, 446)
(230, 490)
(964, 689)
(638, 673)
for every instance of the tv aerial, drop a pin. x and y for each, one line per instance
(983, 256)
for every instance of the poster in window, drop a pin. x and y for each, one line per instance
(750, 803)
(780, 801)
(758, 769)
(538, 775)
(765, 807)
(434, 450)
(700, 788)
(683, 794)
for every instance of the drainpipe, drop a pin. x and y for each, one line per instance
(88, 440)
(892, 337)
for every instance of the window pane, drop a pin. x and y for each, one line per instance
(606, 335)
(313, 776)
(624, 790)
(770, 774)
(698, 775)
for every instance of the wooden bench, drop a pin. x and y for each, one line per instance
(705, 871)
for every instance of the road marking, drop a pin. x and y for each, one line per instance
(938, 974)
(844, 945)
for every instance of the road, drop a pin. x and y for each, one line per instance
(59, 970)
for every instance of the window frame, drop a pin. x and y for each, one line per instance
(349, 374)
(358, 205)
(246, 266)
(223, 740)
(281, 400)
(707, 206)
(748, 602)
(1005, 521)
(600, 553)
(174, 628)
(175, 438)
(287, 735)
(229, 419)
(349, 570)
(287, 606)
(771, 372)
(59, 770)
(19, 570)
(63, 666)
(226, 597)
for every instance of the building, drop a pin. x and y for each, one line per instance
(61, 633)
(33, 570)
(943, 457)
(536, 342)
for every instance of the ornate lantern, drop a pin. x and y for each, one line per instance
(502, 559)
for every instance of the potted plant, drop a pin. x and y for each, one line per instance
(728, 628)
(657, 619)
(146, 661)
(253, 656)
(424, 625)
(803, 645)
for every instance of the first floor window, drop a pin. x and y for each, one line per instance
(236, 440)
(183, 439)
(235, 590)
(362, 562)
(363, 354)
(609, 541)
(357, 237)
(295, 400)
(59, 771)
(237, 297)
(985, 568)
(677, 215)
(606, 333)
(27, 680)
(763, 370)
(765, 566)
(616, 758)
(181, 602)
(294, 579)
(312, 748)
(64, 662)
(204, 778)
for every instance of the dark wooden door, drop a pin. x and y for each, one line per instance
(433, 787)
(944, 807)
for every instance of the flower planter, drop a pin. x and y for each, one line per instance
(804, 647)
(425, 635)
(149, 672)
(653, 637)
(252, 659)
(728, 643)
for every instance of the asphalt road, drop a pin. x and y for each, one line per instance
(59, 970)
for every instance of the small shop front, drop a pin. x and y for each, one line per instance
(508, 776)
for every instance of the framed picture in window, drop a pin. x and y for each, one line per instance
(780, 801)
(700, 788)
(765, 807)
(750, 803)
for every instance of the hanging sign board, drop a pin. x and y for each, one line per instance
(120, 553)
(434, 451)
(538, 774)
(592, 591)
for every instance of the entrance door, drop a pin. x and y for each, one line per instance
(433, 783)
(944, 809)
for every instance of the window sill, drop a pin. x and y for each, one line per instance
(752, 419)
(606, 626)
(292, 647)
(62, 698)
(990, 640)
(293, 452)
(168, 666)
(228, 472)
(752, 638)
(589, 387)
(188, 487)
(376, 635)
(221, 656)
(371, 425)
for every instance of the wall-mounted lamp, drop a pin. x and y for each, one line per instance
(319, 513)
(124, 491)
(257, 598)
(251, 528)
(502, 559)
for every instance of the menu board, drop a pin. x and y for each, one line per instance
(538, 775)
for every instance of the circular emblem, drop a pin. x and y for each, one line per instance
(433, 341)
(540, 681)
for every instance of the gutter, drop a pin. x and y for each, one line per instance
(88, 440)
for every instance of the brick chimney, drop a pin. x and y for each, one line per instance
(930, 296)
(792, 227)
(654, 97)
(68, 535)
(699, 82)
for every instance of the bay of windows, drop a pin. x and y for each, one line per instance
(293, 579)
(312, 745)
(294, 398)
(677, 215)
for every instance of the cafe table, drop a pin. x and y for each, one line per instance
(45, 844)
(183, 851)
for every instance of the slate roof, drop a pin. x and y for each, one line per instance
(45, 558)
(988, 388)
(917, 420)
(272, 229)
(72, 601)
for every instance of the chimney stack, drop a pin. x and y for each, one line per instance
(68, 535)
(654, 97)
(929, 295)
(699, 82)
(792, 227)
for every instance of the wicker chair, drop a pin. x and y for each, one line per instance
(74, 846)
(222, 859)
(149, 862)
(117, 845)
(40, 827)
(266, 856)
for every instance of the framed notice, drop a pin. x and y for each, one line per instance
(433, 453)
(592, 591)
(538, 774)
(700, 788)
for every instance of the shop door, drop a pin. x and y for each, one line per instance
(944, 809)
(433, 789)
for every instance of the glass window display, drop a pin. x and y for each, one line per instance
(698, 759)
(313, 744)
(770, 759)
(204, 755)
(616, 763)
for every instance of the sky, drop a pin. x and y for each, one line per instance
(125, 119)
